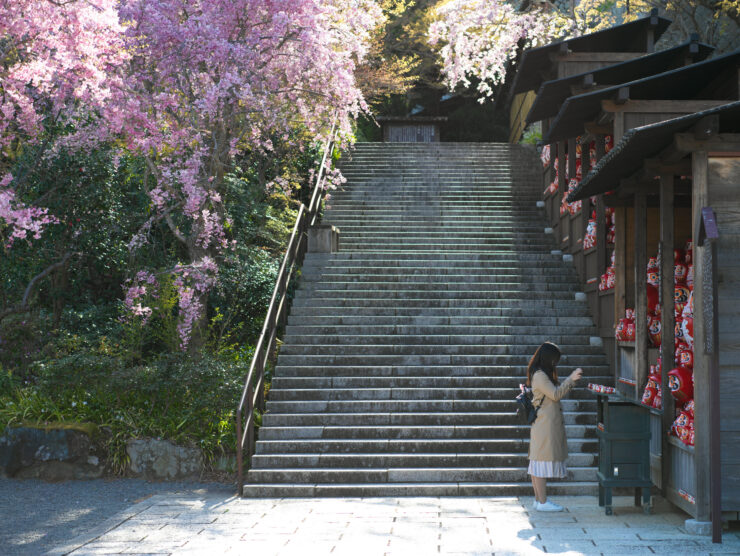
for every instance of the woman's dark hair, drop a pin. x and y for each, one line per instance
(544, 359)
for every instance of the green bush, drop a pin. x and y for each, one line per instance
(186, 399)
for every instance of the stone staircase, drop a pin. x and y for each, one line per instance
(403, 352)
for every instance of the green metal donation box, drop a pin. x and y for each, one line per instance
(624, 449)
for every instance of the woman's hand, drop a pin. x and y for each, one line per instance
(576, 375)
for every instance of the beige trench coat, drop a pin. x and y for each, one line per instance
(547, 441)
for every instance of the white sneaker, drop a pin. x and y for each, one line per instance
(548, 507)
(535, 505)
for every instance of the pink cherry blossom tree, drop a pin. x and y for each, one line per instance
(477, 38)
(210, 79)
(55, 59)
(186, 84)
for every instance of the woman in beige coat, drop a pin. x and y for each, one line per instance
(548, 447)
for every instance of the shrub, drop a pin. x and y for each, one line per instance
(185, 399)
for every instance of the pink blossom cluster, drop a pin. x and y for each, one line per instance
(187, 84)
(144, 285)
(23, 221)
(55, 62)
(478, 38)
(193, 282)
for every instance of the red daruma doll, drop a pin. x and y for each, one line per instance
(681, 384)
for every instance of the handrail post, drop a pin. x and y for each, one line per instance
(239, 454)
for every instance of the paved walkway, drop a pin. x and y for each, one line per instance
(217, 524)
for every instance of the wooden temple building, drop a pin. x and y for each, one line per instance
(641, 187)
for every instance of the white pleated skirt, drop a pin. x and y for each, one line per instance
(548, 469)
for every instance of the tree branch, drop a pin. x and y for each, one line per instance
(23, 306)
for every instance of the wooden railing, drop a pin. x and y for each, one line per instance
(264, 352)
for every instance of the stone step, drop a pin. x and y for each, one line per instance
(504, 238)
(505, 347)
(359, 461)
(411, 341)
(434, 292)
(436, 359)
(396, 409)
(282, 381)
(435, 308)
(440, 308)
(481, 213)
(404, 475)
(397, 406)
(489, 489)
(482, 210)
(270, 419)
(418, 394)
(542, 301)
(412, 446)
(440, 257)
(462, 227)
(399, 287)
(503, 263)
(431, 272)
(476, 323)
(509, 430)
(593, 373)
(427, 329)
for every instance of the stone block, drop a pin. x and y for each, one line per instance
(323, 238)
(695, 527)
(52, 453)
(162, 460)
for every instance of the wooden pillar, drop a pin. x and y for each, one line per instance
(585, 158)
(618, 126)
(563, 224)
(620, 262)
(700, 198)
(641, 335)
(571, 159)
(601, 228)
(668, 322)
(561, 167)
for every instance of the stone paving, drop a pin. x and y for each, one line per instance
(217, 524)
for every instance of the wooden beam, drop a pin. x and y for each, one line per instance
(641, 333)
(597, 129)
(647, 187)
(667, 347)
(722, 142)
(707, 127)
(612, 57)
(700, 198)
(662, 106)
(657, 167)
